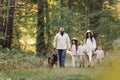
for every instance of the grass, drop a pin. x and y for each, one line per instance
(51, 74)
(108, 69)
(45, 73)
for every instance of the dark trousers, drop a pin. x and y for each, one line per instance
(62, 55)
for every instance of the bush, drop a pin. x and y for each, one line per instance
(15, 59)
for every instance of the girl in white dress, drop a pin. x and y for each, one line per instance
(74, 51)
(81, 53)
(90, 46)
(99, 54)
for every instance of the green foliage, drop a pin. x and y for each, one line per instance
(108, 29)
(25, 26)
(34, 1)
(75, 19)
(15, 59)
(116, 45)
(60, 18)
(2, 36)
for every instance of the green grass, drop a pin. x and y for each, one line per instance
(68, 73)
(19, 65)
(51, 74)
(45, 73)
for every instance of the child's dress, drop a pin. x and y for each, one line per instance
(74, 55)
(100, 54)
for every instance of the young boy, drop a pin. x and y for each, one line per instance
(81, 53)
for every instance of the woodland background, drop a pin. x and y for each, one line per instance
(30, 25)
(27, 29)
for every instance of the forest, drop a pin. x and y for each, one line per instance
(28, 27)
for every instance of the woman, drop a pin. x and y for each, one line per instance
(90, 46)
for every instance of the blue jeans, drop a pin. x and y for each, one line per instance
(62, 55)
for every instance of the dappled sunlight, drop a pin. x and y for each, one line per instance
(23, 29)
(26, 26)
(52, 2)
(117, 10)
(27, 43)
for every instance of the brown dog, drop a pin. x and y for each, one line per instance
(53, 60)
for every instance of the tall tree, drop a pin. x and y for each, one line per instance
(9, 23)
(48, 25)
(1, 13)
(40, 44)
(95, 6)
(1, 21)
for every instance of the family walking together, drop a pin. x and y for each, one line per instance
(86, 48)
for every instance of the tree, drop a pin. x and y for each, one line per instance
(48, 26)
(1, 21)
(40, 44)
(95, 6)
(9, 23)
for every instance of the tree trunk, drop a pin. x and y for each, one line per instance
(40, 44)
(1, 21)
(48, 26)
(9, 24)
(1, 17)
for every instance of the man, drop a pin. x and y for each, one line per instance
(61, 43)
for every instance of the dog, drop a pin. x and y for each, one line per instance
(53, 60)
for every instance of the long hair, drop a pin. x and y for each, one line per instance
(76, 44)
(91, 36)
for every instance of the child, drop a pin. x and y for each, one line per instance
(81, 53)
(100, 54)
(74, 51)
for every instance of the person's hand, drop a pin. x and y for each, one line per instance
(93, 50)
(69, 49)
